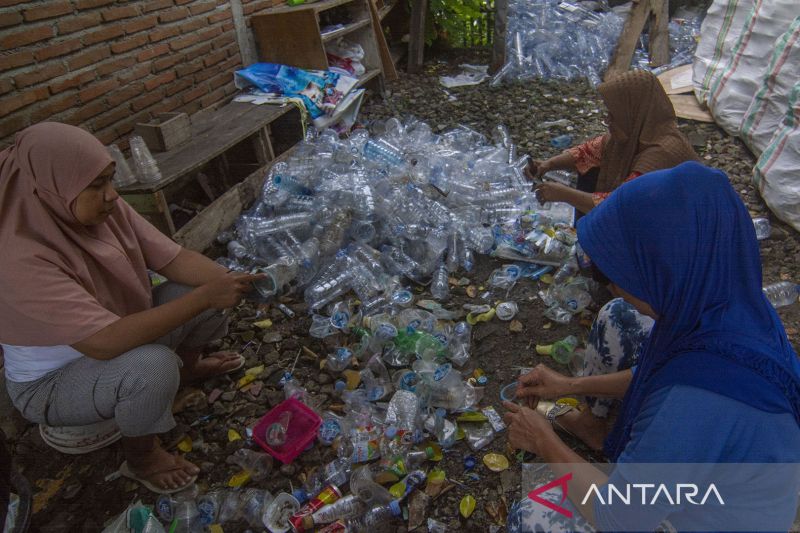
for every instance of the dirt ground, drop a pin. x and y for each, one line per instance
(71, 492)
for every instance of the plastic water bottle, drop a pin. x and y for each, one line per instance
(382, 151)
(258, 464)
(348, 507)
(337, 473)
(460, 343)
(123, 176)
(291, 185)
(339, 360)
(782, 293)
(561, 142)
(762, 227)
(561, 351)
(376, 520)
(146, 167)
(440, 288)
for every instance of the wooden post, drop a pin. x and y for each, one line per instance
(657, 11)
(499, 44)
(416, 44)
(389, 72)
(659, 33)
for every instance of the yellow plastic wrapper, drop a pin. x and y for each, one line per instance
(185, 444)
(483, 317)
(398, 489)
(437, 452)
(466, 506)
(436, 476)
(239, 479)
(263, 324)
(472, 416)
(245, 380)
(215, 528)
(233, 435)
(495, 462)
(254, 371)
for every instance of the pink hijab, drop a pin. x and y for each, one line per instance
(60, 281)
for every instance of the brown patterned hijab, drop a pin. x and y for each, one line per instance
(644, 134)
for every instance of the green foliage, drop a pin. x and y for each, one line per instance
(449, 20)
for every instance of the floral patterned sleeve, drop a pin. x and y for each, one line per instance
(598, 197)
(588, 155)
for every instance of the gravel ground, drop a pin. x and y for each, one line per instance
(72, 494)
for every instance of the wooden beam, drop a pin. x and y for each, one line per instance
(389, 72)
(416, 43)
(621, 61)
(659, 32)
(499, 44)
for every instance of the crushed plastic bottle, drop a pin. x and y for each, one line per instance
(258, 464)
(782, 293)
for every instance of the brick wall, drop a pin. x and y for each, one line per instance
(108, 64)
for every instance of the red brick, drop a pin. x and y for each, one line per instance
(97, 90)
(154, 51)
(164, 33)
(220, 15)
(111, 117)
(6, 3)
(191, 108)
(223, 40)
(124, 94)
(87, 58)
(71, 82)
(46, 11)
(54, 106)
(39, 75)
(192, 25)
(205, 74)
(165, 106)
(212, 97)
(104, 34)
(141, 24)
(136, 73)
(159, 80)
(116, 65)
(110, 136)
(16, 59)
(195, 93)
(210, 33)
(198, 51)
(221, 80)
(6, 86)
(156, 5)
(228, 26)
(12, 125)
(188, 68)
(85, 112)
(253, 7)
(216, 57)
(184, 42)
(10, 18)
(146, 100)
(78, 22)
(26, 36)
(21, 99)
(119, 13)
(175, 88)
(171, 15)
(167, 62)
(88, 4)
(58, 49)
(130, 43)
(202, 7)
(182, 2)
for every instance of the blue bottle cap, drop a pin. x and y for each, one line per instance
(394, 506)
(391, 432)
(340, 385)
(469, 462)
(300, 495)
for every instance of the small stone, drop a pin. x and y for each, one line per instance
(288, 470)
(228, 396)
(272, 337)
(515, 326)
(323, 378)
(270, 358)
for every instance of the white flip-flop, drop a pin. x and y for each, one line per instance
(125, 470)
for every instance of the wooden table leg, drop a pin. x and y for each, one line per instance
(416, 44)
(154, 208)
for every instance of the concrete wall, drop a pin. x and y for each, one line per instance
(108, 64)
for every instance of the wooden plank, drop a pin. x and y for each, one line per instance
(199, 233)
(659, 33)
(341, 32)
(677, 80)
(686, 106)
(499, 44)
(153, 207)
(416, 43)
(211, 136)
(315, 7)
(389, 72)
(290, 38)
(634, 24)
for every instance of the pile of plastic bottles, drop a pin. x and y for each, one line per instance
(350, 224)
(568, 40)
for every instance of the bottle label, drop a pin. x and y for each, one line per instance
(327, 496)
(386, 332)
(328, 431)
(461, 328)
(442, 371)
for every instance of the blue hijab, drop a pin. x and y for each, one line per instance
(682, 241)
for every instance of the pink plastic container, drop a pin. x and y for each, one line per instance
(301, 431)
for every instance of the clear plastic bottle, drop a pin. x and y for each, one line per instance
(258, 464)
(782, 293)
(339, 360)
(459, 345)
(146, 168)
(123, 176)
(347, 507)
(258, 227)
(382, 151)
(440, 288)
(337, 473)
(291, 185)
(762, 227)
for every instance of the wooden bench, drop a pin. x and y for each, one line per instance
(230, 150)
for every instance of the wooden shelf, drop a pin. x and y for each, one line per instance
(368, 75)
(382, 12)
(330, 36)
(314, 6)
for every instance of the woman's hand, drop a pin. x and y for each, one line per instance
(536, 169)
(542, 382)
(551, 191)
(527, 429)
(228, 290)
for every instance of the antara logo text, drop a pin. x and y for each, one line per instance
(644, 493)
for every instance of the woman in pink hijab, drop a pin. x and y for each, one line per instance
(85, 338)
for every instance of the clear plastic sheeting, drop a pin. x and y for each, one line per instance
(553, 39)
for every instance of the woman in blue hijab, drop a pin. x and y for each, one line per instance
(717, 380)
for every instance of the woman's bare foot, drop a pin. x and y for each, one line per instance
(147, 460)
(585, 426)
(215, 364)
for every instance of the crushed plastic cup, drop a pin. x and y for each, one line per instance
(506, 310)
